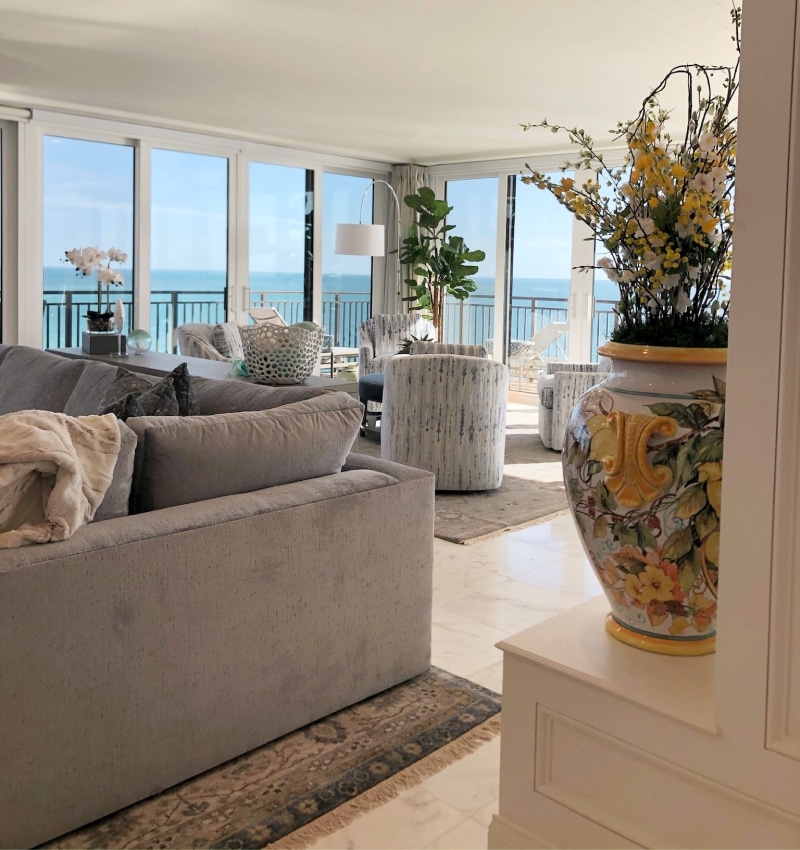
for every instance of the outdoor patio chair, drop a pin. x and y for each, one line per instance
(526, 358)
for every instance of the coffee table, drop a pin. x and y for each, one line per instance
(156, 363)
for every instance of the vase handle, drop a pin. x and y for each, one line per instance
(630, 477)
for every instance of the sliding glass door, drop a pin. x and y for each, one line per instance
(88, 202)
(189, 248)
(474, 215)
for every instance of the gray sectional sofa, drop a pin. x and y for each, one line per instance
(264, 579)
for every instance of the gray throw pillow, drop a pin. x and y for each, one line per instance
(132, 395)
(115, 502)
(183, 460)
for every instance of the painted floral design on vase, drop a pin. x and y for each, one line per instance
(642, 466)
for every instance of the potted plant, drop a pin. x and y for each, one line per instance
(643, 450)
(88, 260)
(441, 265)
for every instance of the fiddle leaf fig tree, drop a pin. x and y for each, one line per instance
(441, 264)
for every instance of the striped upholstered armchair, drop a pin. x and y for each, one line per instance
(559, 388)
(446, 413)
(381, 336)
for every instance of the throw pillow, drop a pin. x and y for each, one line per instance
(228, 340)
(115, 501)
(184, 391)
(132, 395)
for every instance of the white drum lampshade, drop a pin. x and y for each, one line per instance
(363, 239)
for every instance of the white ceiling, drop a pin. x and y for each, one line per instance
(426, 81)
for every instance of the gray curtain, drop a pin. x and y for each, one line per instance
(406, 179)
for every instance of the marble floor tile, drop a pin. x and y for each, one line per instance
(468, 835)
(490, 677)
(462, 645)
(470, 784)
(485, 815)
(570, 575)
(511, 606)
(414, 819)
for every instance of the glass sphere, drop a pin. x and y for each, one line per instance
(139, 341)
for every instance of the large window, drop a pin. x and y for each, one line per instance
(279, 205)
(474, 215)
(189, 248)
(346, 279)
(542, 265)
(88, 202)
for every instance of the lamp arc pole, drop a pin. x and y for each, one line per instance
(361, 221)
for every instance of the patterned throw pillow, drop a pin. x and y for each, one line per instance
(228, 341)
(130, 395)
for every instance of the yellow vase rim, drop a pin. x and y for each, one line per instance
(663, 353)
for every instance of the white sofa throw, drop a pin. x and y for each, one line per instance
(54, 471)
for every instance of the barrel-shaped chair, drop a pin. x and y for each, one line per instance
(446, 413)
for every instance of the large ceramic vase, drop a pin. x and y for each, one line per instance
(643, 472)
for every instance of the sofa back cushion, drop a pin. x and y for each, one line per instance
(182, 460)
(214, 396)
(31, 379)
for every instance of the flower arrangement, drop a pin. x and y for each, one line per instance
(88, 260)
(665, 216)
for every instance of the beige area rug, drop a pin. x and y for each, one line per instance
(313, 781)
(532, 490)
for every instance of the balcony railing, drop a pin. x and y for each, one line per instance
(469, 321)
(63, 313)
(472, 321)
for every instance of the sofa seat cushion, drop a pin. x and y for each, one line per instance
(31, 379)
(181, 460)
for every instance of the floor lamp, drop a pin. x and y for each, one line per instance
(369, 240)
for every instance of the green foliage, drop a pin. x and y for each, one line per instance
(441, 263)
(405, 345)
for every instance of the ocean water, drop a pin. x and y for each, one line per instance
(200, 298)
(63, 279)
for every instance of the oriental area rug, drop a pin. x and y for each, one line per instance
(532, 490)
(316, 780)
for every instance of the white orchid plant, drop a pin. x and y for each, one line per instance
(665, 217)
(89, 260)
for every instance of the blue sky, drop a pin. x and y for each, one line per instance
(88, 200)
(88, 194)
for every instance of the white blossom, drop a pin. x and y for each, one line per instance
(116, 255)
(703, 182)
(707, 141)
(109, 276)
(652, 260)
(683, 302)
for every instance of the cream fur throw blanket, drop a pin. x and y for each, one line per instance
(54, 471)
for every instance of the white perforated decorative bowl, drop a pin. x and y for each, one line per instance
(280, 355)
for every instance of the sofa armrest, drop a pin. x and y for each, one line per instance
(396, 470)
